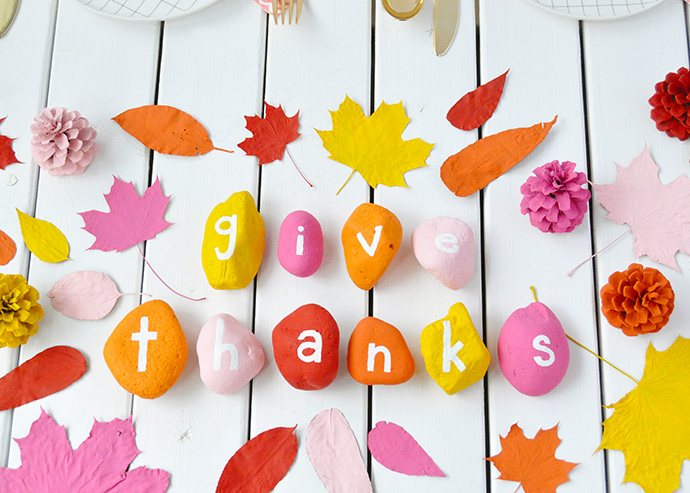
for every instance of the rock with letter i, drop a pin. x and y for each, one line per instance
(300, 244)
(147, 351)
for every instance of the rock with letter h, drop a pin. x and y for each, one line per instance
(454, 354)
(234, 243)
(533, 350)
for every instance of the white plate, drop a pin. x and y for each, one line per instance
(146, 10)
(597, 9)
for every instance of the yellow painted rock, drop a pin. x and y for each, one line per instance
(234, 243)
(147, 351)
(371, 237)
(454, 353)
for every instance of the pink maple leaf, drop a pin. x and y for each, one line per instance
(131, 220)
(659, 215)
(98, 465)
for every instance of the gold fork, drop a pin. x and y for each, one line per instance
(283, 8)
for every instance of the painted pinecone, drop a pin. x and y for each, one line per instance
(670, 104)
(638, 300)
(554, 197)
(20, 311)
(62, 141)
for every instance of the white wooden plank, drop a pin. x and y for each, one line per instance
(310, 68)
(188, 427)
(98, 77)
(450, 428)
(620, 126)
(541, 50)
(27, 47)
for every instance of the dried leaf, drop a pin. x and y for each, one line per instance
(476, 107)
(270, 135)
(373, 145)
(649, 425)
(261, 463)
(43, 239)
(48, 372)
(8, 249)
(657, 214)
(397, 450)
(532, 461)
(8, 12)
(7, 155)
(333, 451)
(84, 295)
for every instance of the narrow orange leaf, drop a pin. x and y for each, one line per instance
(8, 249)
(480, 163)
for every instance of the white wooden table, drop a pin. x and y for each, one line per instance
(220, 65)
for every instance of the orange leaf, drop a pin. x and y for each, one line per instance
(480, 163)
(532, 462)
(476, 107)
(167, 130)
(261, 463)
(8, 249)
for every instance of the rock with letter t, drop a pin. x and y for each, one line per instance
(454, 354)
(533, 350)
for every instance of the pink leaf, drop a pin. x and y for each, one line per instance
(84, 295)
(132, 219)
(397, 450)
(657, 214)
(99, 465)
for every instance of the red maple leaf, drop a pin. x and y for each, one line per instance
(7, 155)
(131, 220)
(270, 135)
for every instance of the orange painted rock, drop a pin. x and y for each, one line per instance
(378, 354)
(305, 346)
(371, 237)
(147, 351)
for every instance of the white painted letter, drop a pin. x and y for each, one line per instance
(443, 240)
(300, 241)
(450, 354)
(219, 348)
(373, 351)
(231, 232)
(371, 249)
(143, 337)
(538, 344)
(316, 346)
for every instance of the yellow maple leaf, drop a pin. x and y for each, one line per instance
(650, 424)
(374, 145)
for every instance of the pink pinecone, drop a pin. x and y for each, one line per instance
(554, 197)
(62, 142)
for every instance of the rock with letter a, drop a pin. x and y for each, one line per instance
(147, 351)
(371, 237)
(533, 350)
(234, 243)
(454, 354)
(229, 354)
(305, 346)
(378, 354)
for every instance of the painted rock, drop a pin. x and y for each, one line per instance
(147, 351)
(234, 243)
(229, 354)
(371, 237)
(454, 353)
(533, 350)
(444, 246)
(378, 354)
(300, 244)
(305, 346)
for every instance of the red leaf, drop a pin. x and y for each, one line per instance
(270, 135)
(46, 373)
(261, 463)
(7, 155)
(477, 106)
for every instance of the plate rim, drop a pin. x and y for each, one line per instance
(206, 4)
(579, 17)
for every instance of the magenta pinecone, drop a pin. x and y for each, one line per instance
(62, 142)
(554, 197)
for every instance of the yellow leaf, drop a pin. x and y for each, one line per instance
(43, 239)
(373, 145)
(650, 424)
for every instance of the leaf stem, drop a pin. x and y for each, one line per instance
(572, 271)
(348, 179)
(224, 150)
(138, 294)
(297, 167)
(161, 280)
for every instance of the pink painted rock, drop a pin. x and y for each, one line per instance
(300, 244)
(533, 350)
(444, 246)
(305, 346)
(229, 354)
